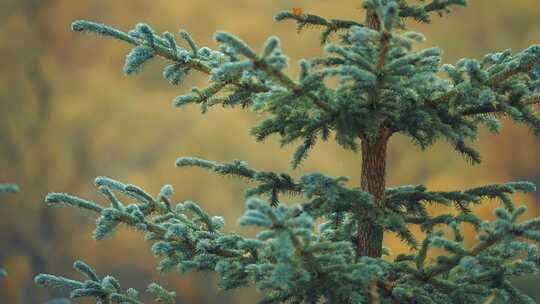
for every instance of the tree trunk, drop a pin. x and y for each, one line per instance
(370, 237)
(373, 177)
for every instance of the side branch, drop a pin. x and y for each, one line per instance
(164, 52)
(527, 230)
(437, 5)
(434, 271)
(421, 12)
(493, 82)
(161, 233)
(166, 48)
(290, 84)
(132, 221)
(304, 20)
(490, 109)
(9, 188)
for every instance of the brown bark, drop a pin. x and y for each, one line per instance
(373, 180)
(373, 174)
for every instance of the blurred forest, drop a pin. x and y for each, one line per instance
(67, 114)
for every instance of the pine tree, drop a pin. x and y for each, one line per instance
(384, 87)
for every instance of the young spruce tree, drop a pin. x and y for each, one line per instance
(384, 87)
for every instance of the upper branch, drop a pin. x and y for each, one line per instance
(492, 82)
(290, 84)
(166, 48)
(303, 20)
(421, 12)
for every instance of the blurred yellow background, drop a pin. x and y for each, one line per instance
(67, 114)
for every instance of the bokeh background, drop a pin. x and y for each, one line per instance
(67, 114)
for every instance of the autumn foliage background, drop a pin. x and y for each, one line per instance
(67, 114)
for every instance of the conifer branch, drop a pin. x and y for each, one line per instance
(167, 51)
(106, 290)
(492, 82)
(421, 12)
(116, 216)
(418, 194)
(8, 188)
(437, 5)
(162, 51)
(270, 183)
(494, 108)
(294, 87)
(494, 237)
(324, 193)
(305, 20)
(433, 271)
(4, 189)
